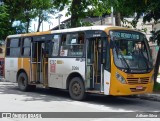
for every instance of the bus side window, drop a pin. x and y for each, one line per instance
(13, 47)
(72, 45)
(26, 44)
(64, 48)
(55, 45)
(72, 41)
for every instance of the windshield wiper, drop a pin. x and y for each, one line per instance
(122, 57)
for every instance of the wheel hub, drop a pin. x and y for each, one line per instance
(76, 89)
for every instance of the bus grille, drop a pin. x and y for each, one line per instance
(142, 80)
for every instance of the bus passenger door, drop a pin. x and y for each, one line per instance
(94, 65)
(39, 62)
(44, 61)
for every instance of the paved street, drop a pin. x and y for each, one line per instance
(43, 100)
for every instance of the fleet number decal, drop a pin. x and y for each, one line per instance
(75, 68)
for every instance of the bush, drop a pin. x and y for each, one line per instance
(156, 86)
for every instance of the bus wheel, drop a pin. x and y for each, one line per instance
(23, 82)
(76, 89)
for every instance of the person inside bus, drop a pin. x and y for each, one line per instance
(64, 47)
(123, 50)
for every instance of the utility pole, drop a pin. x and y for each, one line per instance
(59, 22)
(112, 21)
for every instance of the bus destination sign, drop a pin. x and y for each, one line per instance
(125, 35)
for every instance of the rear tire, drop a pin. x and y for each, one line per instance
(76, 89)
(23, 82)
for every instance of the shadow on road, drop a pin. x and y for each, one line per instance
(48, 95)
(39, 94)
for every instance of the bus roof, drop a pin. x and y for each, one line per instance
(98, 27)
(81, 29)
(29, 34)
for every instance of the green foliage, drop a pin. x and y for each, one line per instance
(155, 37)
(5, 25)
(43, 9)
(16, 15)
(152, 11)
(156, 86)
(99, 7)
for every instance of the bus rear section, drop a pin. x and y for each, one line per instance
(26, 60)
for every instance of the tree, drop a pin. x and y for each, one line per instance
(156, 38)
(43, 9)
(3, 16)
(80, 9)
(5, 24)
(152, 12)
(22, 12)
(127, 8)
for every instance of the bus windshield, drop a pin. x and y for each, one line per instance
(131, 51)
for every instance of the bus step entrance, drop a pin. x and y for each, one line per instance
(97, 86)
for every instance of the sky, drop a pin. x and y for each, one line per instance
(46, 25)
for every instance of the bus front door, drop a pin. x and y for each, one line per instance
(94, 65)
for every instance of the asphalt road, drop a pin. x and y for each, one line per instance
(45, 100)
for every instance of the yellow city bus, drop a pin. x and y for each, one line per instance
(97, 59)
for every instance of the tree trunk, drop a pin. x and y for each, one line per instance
(39, 24)
(156, 68)
(28, 25)
(74, 11)
(118, 19)
(40, 20)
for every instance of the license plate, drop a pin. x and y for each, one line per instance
(139, 87)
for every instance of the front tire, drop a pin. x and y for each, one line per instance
(23, 82)
(76, 89)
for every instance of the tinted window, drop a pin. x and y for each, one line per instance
(14, 42)
(27, 42)
(55, 45)
(13, 47)
(72, 45)
(26, 46)
(14, 52)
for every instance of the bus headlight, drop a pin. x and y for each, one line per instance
(152, 78)
(120, 78)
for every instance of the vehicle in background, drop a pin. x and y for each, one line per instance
(2, 67)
